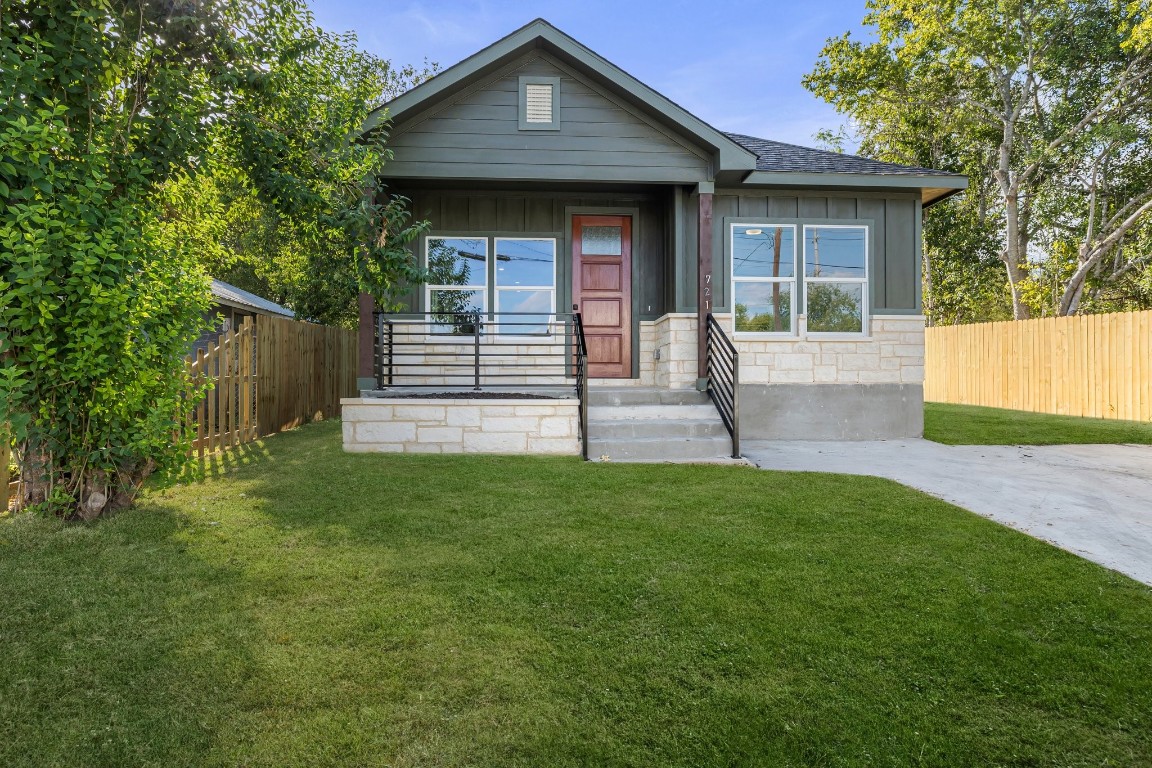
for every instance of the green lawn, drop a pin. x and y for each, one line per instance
(976, 425)
(307, 607)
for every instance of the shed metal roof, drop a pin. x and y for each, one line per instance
(237, 297)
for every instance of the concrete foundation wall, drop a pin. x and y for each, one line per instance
(831, 411)
(433, 425)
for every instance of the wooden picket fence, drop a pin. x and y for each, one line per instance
(1085, 365)
(225, 417)
(267, 376)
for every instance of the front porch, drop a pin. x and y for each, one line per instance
(468, 382)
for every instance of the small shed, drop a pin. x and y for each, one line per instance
(230, 305)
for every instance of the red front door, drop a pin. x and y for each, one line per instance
(602, 291)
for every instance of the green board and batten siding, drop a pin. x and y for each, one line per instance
(494, 213)
(599, 138)
(894, 271)
(664, 256)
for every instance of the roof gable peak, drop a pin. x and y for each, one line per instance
(541, 34)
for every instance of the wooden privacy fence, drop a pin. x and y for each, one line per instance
(1086, 365)
(267, 376)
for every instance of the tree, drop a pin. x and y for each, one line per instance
(106, 108)
(286, 203)
(1029, 97)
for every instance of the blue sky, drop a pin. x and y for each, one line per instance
(735, 64)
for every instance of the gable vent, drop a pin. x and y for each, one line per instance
(538, 102)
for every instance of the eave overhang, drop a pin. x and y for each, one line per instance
(932, 188)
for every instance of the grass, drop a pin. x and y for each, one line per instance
(307, 607)
(976, 425)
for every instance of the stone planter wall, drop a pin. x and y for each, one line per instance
(432, 425)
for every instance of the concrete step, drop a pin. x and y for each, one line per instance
(645, 396)
(651, 412)
(680, 429)
(659, 448)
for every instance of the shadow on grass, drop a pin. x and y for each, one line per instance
(122, 645)
(214, 466)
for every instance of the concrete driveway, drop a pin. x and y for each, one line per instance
(1092, 500)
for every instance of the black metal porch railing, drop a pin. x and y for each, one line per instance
(724, 380)
(580, 364)
(503, 351)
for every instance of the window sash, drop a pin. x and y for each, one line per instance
(863, 281)
(792, 281)
(490, 290)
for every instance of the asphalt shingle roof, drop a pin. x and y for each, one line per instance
(226, 292)
(790, 158)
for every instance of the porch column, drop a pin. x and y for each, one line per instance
(704, 192)
(365, 379)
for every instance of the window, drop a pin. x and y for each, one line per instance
(764, 277)
(526, 283)
(457, 282)
(539, 103)
(835, 278)
(522, 277)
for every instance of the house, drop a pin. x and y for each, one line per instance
(229, 306)
(721, 284)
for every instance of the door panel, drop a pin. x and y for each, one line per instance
(602, 291)
(601, 314)
(602, 277)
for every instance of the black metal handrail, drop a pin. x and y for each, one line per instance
(724, 380)
(581, 367)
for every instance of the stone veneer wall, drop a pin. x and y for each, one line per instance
(433, 425)
(674, 335)
(893, 353)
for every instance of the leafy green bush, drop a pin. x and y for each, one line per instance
(107, 111)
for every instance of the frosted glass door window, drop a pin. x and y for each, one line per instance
(601, 241)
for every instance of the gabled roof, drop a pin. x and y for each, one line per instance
(224, 293)
(738, 159)
(776, 156)
(785, 165)
(539, 34)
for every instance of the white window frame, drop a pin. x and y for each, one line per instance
(862, 281)
(482, 288)
(490, 285)
(497, 288)
(794, 281)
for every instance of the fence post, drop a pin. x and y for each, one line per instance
(5, 456)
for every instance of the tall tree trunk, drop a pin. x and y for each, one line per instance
(1015, 256)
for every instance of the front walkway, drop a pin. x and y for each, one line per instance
(1093, 500)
